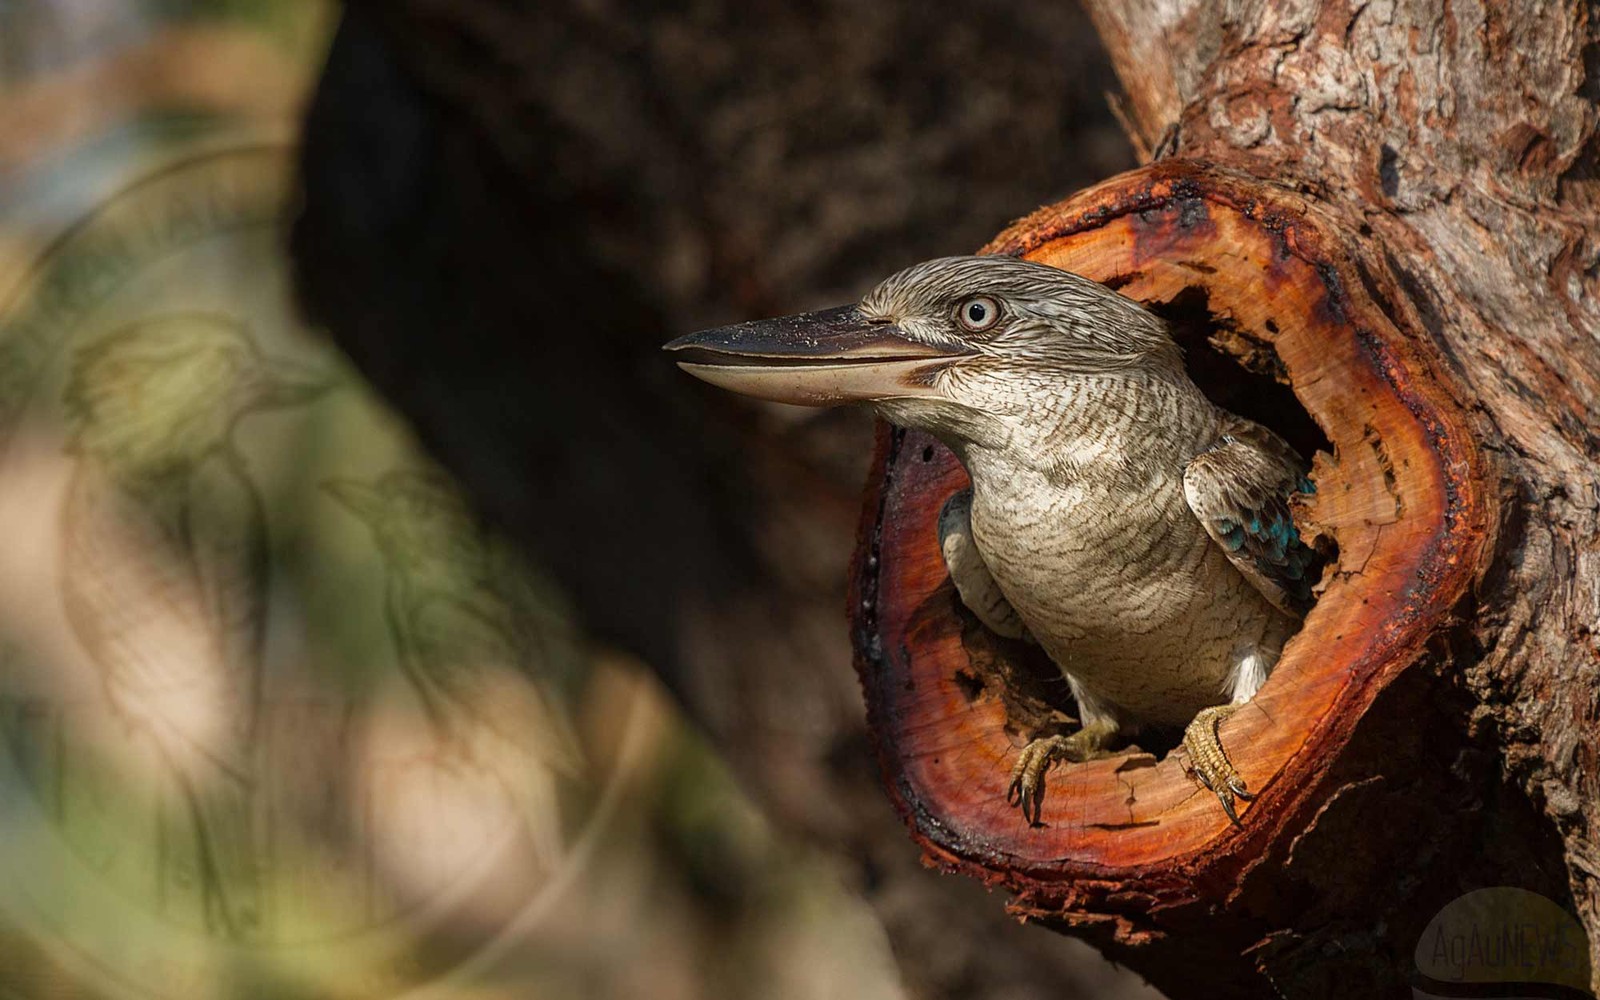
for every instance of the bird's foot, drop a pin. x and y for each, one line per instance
(1027, 774)
(1210, 762)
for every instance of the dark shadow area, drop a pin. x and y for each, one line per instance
(1239, 372)
(508, 209)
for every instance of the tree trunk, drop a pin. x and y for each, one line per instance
(1394, 210)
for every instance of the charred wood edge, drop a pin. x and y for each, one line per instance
(1070, 891)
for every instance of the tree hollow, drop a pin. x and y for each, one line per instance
(1399, 491)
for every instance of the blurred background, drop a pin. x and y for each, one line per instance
(380, 615)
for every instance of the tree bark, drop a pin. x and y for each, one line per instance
(1393, 209)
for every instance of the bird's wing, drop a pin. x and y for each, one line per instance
(466, 651)
(1239, 488)
(970, 574)
(225, 522)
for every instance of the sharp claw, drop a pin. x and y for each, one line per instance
(1026, 790)
(1227, 807)
(1209, 761)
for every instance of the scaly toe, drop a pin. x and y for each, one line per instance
(1027, 775)
(1210, 762)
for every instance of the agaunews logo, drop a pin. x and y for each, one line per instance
(1503, 942)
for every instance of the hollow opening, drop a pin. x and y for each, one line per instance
(1238, 370)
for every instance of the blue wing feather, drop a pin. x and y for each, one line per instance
(1239, 489)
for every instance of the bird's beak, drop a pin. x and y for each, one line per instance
(362, 500)
(289, 383)
(814, 359)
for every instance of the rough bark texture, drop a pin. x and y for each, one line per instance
(1445, 156)
(509, 207)
(1457, 142)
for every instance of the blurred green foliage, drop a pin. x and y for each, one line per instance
(251, 750)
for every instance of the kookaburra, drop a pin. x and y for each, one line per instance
(164, 569)
(464, 614)
(1137, 532)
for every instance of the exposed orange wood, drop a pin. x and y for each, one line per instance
(1402, 496)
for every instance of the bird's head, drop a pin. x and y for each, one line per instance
(962, 347)
(171, 388)
(418, 518)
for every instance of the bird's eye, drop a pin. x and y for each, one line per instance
(979, 313)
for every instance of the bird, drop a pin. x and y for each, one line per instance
(465, 614)
(1138, 533)
(164, 566)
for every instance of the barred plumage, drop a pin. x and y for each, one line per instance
(1136, 531)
